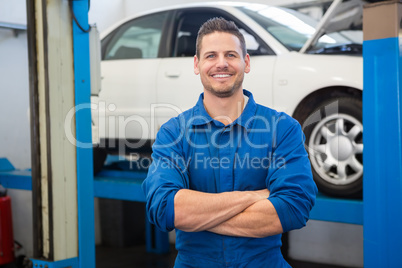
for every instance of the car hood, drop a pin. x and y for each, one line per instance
(339, 16)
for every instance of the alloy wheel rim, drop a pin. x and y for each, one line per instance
(336, 147)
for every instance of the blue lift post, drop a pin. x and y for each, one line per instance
(382, 189)
(85, 190)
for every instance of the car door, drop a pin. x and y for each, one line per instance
(129, 67)
(178, 88)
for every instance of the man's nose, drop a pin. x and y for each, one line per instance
(221, 62)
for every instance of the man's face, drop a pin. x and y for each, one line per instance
(221, 64)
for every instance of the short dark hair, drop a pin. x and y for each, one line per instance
(219, 25)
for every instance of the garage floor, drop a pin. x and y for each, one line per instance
(112, 257)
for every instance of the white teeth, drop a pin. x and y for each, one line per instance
(221, 75)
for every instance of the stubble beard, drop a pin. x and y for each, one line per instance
(227, 92)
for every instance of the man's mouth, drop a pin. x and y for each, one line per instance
(221, 75)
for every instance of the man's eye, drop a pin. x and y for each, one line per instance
(210, 56)
(231, 55)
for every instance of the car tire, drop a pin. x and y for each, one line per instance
(334, 141)
(99, 157)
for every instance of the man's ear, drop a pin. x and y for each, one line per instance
(247, 61)
(196, 70)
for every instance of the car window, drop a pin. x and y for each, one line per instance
(137, 39)
(190, 23)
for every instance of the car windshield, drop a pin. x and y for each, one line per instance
(293, 29)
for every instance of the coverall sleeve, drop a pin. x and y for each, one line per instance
(166, 176)
(290, 182)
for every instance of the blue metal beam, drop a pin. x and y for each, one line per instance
(382, 121)
(85, 192)
(337, 210)
(126, 185)
(16, 179)
(12, 178)
(382, 153)
(121, 185)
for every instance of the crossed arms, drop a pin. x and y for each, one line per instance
(239, 213)
(170, 203)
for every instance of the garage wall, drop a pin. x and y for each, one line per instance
(340, 244)
(14, 119)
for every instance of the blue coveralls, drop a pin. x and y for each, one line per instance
(261, 149)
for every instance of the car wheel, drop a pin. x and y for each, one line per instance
(334, 141)
(99, 157)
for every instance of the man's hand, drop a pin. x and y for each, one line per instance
(264, 193)
(197, 211)
(258, 220)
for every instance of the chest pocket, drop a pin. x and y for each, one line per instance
(202, 172)
(251, 170)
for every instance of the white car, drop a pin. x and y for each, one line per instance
(147, 78)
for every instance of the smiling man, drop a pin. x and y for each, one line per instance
(229, 175)
(222, 63)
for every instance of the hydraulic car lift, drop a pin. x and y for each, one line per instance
(126, 185)
(382, 120)
(380, 212)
